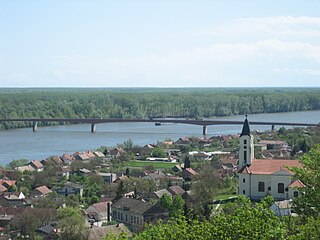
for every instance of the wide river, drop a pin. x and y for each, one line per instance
(48, 141)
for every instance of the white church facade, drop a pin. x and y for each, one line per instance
(261, 177)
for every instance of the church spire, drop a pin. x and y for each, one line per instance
(245, 128)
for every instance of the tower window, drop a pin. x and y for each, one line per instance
(280, 188)
(295, 194)
(261, 187)
(245, 156)
(243, 191)
(244, 180)
(245, 141)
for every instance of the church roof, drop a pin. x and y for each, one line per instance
(269, 166)
(245, 128)
(296, 184)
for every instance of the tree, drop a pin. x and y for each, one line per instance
(17, 163)
(204, 187)
(187, 163)
(30, 219)
(308, 201)
(158, 152)
(246, 222)
(120, 190)
(166, 202)
(71, 223)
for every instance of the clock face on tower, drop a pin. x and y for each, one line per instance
(245, 147)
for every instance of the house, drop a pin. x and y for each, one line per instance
(67, 158)
(39, 192)
(116, 152)
(52, 160)
(13, 199)
(90, 154)
(188, 174)
(107, 177)
(178, 168)
(261, 177)
(37, 165)
(71, 188)
(84, 172)
(48, 232)
(176, 190)
(81, 156)
(135, 213)
(274, 145)
(158, 194)
(282, 208)
(99, 213)
(25, 168)
(182, 141)
(99, 154)
(96, 233)
(148, 148)
(3, 189)
(201, 155)
(63, 171)
(7, 183)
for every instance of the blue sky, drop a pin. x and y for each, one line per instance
(167, 43)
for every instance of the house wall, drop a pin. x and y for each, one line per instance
(133, 221)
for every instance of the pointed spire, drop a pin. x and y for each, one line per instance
(245, 128)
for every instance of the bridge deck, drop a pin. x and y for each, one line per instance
(181, 121)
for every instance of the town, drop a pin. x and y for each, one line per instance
(120, 191)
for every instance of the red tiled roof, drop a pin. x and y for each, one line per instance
(3, 188)
(8, 182)
(269, 166)
(43, 190)
(191, 171)
(101, 206)
(296, 184)
(37, 164)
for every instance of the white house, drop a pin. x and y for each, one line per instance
(261, 177)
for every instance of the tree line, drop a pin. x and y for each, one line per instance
(149, 103)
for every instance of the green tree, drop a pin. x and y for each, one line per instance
(308, 201)
(71, 223)
(120, 190)
(158, 152)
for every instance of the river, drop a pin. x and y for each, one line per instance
(56, 140)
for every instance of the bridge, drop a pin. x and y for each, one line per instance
(203, 123)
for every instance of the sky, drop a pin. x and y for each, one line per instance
(160, 43)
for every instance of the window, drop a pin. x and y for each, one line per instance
(244, 180)
(121, 216)
(261, 187)
(245, 156)
(280, 188)
(295, 194)
(245, 141)
(131, 219)
(126, 217)
(118, 215)
(244, 191)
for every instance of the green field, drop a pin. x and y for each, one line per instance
(149, 163)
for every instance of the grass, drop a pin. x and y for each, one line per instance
(155, 164)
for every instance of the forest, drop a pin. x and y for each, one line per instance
(150, 102)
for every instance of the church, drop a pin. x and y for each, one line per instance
(261, 177)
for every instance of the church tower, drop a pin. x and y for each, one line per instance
(246, 151)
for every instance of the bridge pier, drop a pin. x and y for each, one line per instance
(272, 127)
(34, 126)
(93, 127)
(204, 130)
